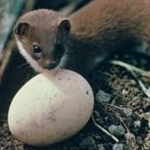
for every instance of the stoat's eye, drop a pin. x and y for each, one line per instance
(37, 51)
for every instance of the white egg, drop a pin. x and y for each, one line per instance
(51, 107)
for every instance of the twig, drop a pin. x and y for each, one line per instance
(129, 67)
(129, 136)
(104, 130)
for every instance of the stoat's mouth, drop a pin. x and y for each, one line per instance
(51, 66)
(53, 63)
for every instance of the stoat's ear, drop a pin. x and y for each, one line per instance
(65, 25)
(21, 28)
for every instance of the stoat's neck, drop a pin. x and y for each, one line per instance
(73, 57)
(79, 56)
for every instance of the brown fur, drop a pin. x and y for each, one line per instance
(97, 30)
(42, 32)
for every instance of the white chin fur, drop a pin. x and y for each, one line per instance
(28, 58)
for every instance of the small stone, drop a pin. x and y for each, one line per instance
(118, 146)
(137, 124)
(101, 147)
(136, 90)
(127, 111)
(136, 98)
(133, 82)
(116, 130)
(141, 111)
(103, 97)
(124, 92)
(88, 143)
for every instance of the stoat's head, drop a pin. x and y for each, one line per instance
(40, 36)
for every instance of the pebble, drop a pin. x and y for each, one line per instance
(137, 124)
(125, 92)
(133, 82)
(88, 143)
(116, 130)
(103, 97)
(101, 147)
(128, 112)
(118, 146)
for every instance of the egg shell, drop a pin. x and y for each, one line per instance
(51, 107)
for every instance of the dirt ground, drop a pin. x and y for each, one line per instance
(119, 106)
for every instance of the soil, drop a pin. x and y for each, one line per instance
(119, 106)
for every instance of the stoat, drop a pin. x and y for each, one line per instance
(86, 38)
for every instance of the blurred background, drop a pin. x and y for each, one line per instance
(14, 71)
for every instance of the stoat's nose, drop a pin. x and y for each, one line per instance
(50, 65)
